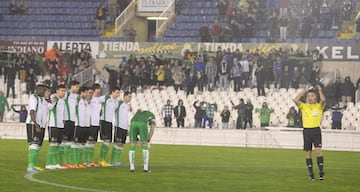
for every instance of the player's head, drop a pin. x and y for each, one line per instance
(115, 92)
(47, 91)
(96, 89)
(127, 96)
(60, 90)
(40, 90)
(90, 93)
(74, 86)
(311, 96)
(83, 92)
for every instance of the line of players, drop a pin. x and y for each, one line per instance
(75, 117)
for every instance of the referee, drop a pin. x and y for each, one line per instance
(312, 112)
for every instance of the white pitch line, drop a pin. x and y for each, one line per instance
(29, 176)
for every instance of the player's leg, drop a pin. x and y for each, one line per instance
(145, 147)
(89, 146)
(134, 132)
(53, 144)
(308, 151)
(83, 136)
(69, 128)
(319, 154)
(106, 135)
(119, 141)
(33, 150)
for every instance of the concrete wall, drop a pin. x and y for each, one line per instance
(286, 138)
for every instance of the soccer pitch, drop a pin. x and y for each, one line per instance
(187, 168)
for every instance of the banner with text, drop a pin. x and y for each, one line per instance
(153, 5)
(119, 50)
(23, 46)
(72, 46)
(338, 52)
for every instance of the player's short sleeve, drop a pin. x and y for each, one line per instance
(32, 103)
(102, 99)
(301, 105)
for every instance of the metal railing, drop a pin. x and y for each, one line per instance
(125, 16)
(168, 13)
(84, 76)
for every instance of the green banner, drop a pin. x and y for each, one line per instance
(119, 50)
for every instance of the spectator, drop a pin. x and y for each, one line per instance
(113, 76)
(223, 72)
(131, 33)
(160, 73)
(215, 31)
(347, 10)
(100, 18)
(236, 75)
(245, 69)
(210, 72)
(336, 116)
(347, 90)
(316, 5)
(180, 113)
(3, 103)
(248, 114)
(273, 26)
(225, 117)
(113, 8)
(210, 110)
(10, 73)
(201, 81)
(293, 25)
(22, 7)
(292, 117)
(284, 21)
(190, 81)
(278, 70)
(306, 27)
(265, 112)
(338, 84)
(241, 110)
(260, 74)
(167, 112)
(22, 113)
(178, 81)
(330, 94)
(222, 9)
(168, 76)
(30, 81)
(283, 6)
(13, 8)
(204, 33)
(230, 10)
(249, 26)
(100, 79)
(199, 112)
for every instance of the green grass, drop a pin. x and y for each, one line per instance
(189, 168)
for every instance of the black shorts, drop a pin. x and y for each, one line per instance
(55, 134)
(34, 137)
(93, 133)
(120, 135)
(312, 136)
(81, 134)
(69, 129)
(105, 130)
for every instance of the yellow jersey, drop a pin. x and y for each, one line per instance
(311, 114)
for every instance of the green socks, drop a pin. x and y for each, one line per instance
(103, 151)
(116, 153)
(33, 155)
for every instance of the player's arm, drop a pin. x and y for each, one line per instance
(297, 99)
(322, 96)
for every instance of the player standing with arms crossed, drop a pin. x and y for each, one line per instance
(122, 114)
(139, 126)
(311, 116)
(56, 128)
(35, 125)
(108, 106)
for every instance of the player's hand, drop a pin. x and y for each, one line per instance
(37, 128)
(318, 87)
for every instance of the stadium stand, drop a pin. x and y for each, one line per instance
(190, 17)
(52, 20)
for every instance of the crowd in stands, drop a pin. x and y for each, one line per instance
(59, 65)
(244, 18)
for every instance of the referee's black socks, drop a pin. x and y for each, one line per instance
(320, 162)
(309, 165)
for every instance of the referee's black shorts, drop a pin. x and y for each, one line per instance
(312, 136)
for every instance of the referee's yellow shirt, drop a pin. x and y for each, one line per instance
(311, 114)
